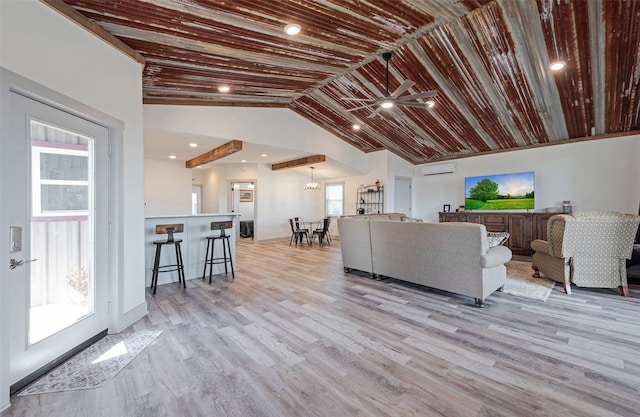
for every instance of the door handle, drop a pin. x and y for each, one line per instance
(13, 263)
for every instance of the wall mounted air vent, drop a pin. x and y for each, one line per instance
(439, 169)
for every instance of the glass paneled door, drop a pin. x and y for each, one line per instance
(61, 293)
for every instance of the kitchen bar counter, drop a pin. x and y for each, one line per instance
(194, 243)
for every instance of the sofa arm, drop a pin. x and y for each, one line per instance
(540, 246)
(497, 255)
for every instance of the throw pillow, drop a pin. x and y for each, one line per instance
(497, 238)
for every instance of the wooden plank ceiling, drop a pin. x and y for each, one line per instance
(488, 60)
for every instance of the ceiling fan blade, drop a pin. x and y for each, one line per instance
(376, 111)
(426, 94)
(355, 99)
(362, 107)
(406, 84)
(411, 104)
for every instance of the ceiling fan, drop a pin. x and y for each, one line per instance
(391, 100)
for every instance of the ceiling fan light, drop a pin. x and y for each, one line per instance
(387, 104)
(430, 103)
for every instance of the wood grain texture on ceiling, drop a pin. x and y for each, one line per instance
(488, 60)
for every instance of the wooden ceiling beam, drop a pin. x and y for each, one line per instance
(220, 152)
(313, 159)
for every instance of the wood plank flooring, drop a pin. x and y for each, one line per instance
(294, 335)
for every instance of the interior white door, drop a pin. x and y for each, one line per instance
(402, 196)
(60, 166)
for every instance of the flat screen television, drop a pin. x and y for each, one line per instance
(500, 192)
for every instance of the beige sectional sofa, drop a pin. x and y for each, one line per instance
(453, 257)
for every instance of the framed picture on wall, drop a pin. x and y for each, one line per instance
(246, 196)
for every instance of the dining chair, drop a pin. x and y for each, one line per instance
(297, 234)
(322, 231)
(299, 222)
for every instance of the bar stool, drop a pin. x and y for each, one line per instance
(169, 230)
(209, 258)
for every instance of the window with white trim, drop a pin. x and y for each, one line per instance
(334, 199)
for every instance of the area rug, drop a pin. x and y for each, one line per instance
(520, 282)
(94, 366)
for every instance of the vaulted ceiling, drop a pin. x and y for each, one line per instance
(488, 60)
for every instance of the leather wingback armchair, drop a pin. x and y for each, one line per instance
(588, 249)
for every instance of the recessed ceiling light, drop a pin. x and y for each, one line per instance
(224, 88)
(172, 157)
(430, 103)
(243, 161)
(356, 126)
(292, 29)
(557, 65)
(263, 155)
(193, 145)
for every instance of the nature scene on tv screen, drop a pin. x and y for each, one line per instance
(499, 192)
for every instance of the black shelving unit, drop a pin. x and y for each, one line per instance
(370, 199)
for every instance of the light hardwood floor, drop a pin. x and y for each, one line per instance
(294, 335)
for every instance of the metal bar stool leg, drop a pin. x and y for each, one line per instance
(233, 275)
(206, 259)
(156, 266)
(211, 259)
(181, 276)
(224, 251)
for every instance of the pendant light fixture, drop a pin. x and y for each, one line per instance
(312, 185)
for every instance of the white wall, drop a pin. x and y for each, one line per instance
(595, 175)
(213, 187)
(46, 48)
(266, 126)
(281, 196)
(378, 170)
(167, 188)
